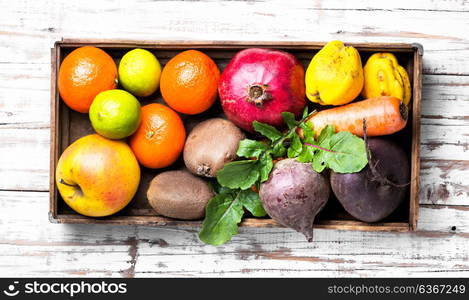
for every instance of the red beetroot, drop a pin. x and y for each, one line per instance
(260, 84)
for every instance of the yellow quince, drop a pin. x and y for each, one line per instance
(385, 77)
(334, 75)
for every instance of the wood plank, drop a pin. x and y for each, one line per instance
(31, 246)
(24, 159)
(399, 5)
(444, 141)
(415, 153)
(445, 100)
(432, 219)
(150, 219)
(444, 121)
(41, 24)
(444, 182)
(24, 96)
(334, 254)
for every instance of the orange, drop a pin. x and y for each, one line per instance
(189, 82)
(83, 74)
(160, 138)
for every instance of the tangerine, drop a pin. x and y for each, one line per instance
(83, 74)
(160, 137)
(189, 82)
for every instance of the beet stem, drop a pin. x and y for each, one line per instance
(373, 166)
(293, 129)
(320, 148)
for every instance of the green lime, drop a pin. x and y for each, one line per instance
(115, 114)
(139, 72)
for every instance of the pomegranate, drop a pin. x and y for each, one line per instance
(260, 84)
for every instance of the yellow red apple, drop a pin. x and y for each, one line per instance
(96, 176)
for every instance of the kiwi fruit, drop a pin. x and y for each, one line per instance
(179, 194)
(210, 145)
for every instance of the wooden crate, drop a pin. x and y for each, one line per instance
(68, 125)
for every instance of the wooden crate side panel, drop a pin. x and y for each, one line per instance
(114, 43)
(54, 128)
(247, 222)
(415, 160)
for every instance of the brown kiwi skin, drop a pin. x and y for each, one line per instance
(179, 194)
(210, 145)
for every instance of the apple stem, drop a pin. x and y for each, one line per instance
(68, 184)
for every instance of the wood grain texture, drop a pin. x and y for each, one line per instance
(238, 20)
(31, 246)
(35, 247)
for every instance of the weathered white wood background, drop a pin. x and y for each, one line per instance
(31, 246)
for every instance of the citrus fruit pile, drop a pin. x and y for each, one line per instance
(93, 173)
(88, 82)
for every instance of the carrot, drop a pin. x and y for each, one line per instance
(384, 115)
